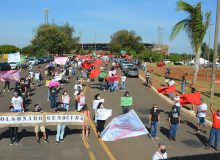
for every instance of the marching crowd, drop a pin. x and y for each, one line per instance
(63, 73)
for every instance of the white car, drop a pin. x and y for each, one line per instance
(13, 65)
(33, 61)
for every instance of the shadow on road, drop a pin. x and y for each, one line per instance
(164, 131)
(202, 138)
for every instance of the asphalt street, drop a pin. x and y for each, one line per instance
(188, 141)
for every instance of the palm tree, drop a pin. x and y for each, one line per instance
(204, 50)
(184, 57)
(195, 29)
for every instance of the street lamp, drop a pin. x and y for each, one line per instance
(95, 40)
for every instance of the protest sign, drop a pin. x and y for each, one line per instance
(14, 57)
(96, 103)
(84, 74)
(11, 75)
(112, 72)
(60, 60)
(82, 100)
(66, 100)
(104, 114)
(126, 101)
(124, 126)
(39, 119)
(47, 83)
(53, 84)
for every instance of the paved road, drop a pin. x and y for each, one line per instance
(188, 141)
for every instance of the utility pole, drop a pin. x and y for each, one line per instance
(215, 52)
(161, 42)
(159, 34)
(95, 40)
(207, 77)
(53, 21)
(46, 11)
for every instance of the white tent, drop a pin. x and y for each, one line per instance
(201, 61)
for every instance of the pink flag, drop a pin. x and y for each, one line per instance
(60, 60)
(11, 75)
(112, 72)
(53, 84)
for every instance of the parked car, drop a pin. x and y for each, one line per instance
(51, 58)
(125, 66)
(4, 66)
(40, 60)
(13, 65)
(46, 59)
(33, 61)
(132, 72)
(178, 63)
(123, 63)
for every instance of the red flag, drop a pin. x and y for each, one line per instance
(90, 58)
(94, 73)
(161, 64)
(102, 55)
(193, 98)
(86, 65)
(126, 55)
(110, 55)
(78, 56)
(123, 54)
(98, 62)
(89, 55)
(170, 89)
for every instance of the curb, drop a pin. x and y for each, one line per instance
(172, 103)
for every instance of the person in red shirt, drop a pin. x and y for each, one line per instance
(106, 64)
(116, 81)
(116, 66)
(215, 130)
(112, 80)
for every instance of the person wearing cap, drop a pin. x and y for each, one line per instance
(177, 102)
(215, 130)
(201, 114)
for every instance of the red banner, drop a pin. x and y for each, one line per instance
(170, 89)
(193, 98)
(94, 73)
(109, 55)
(161, 64)
(86, 65)
(82, 57)
(98, 62)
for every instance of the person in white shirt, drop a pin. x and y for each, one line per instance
(145, 66)
(75, 97)
(17, 103)
(113, 64)
(123, 79)
(177, 102)
(161, 153)
(171, 83)
(76, 86)
(201, 114)
(37, 78)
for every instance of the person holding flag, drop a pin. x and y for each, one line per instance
(215, 130)
(161, 153)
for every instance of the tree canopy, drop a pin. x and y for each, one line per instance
(125, 40)
(8, 49)
(53, 39)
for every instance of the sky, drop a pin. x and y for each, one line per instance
(19, 18)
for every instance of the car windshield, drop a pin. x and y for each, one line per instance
(12, 63)
(129, 66)
(133, 69)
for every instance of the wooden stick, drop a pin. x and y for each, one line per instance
(154, 143)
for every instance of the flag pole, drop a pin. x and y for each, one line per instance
(154, 143)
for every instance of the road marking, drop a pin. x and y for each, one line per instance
(100, 140)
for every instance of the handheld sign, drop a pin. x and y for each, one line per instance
(126, 101)
(96, 103)
(104, 114)
(66, 99)
(47, 83)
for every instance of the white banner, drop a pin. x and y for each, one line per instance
(103, 114)
(64, 118)
(21, 119)
(96, 103)
(14, 57)
(124, 126)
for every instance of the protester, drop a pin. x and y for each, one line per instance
(113, 65)
(171, 83)
(201, 114)
(17, 103)
(168, 70)
(88, 80)
(101, 84)
(177, 102)
(174, 120)
(154, 121)
(144, 67)
(85, 127)
(147, 76)
(37, 78)
(112, 80)
(183, 83)
(75, 97)
(60, 128)
(27, 87)
(79, 96)
(116, 66)
(13, 130)
(123, 79)
(161, 153)
(166, 79)
(6, 83)
(215, 130)
(76, 86)
(100, 123)
(106, 64)
(116, 81)
(65, 99)
(97, 97)
(106, 83)
(53, 96)
(126, 108)
(39, 128)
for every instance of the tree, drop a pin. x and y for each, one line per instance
(77, 50)
(125, 40)
(90, 49)
(54, 39)
(184, 57)
(195, 29)
(174, 58)
(82, 52)
(9, 48)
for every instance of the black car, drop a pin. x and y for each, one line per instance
(4, 66)
(178, 63)
(40, 60)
